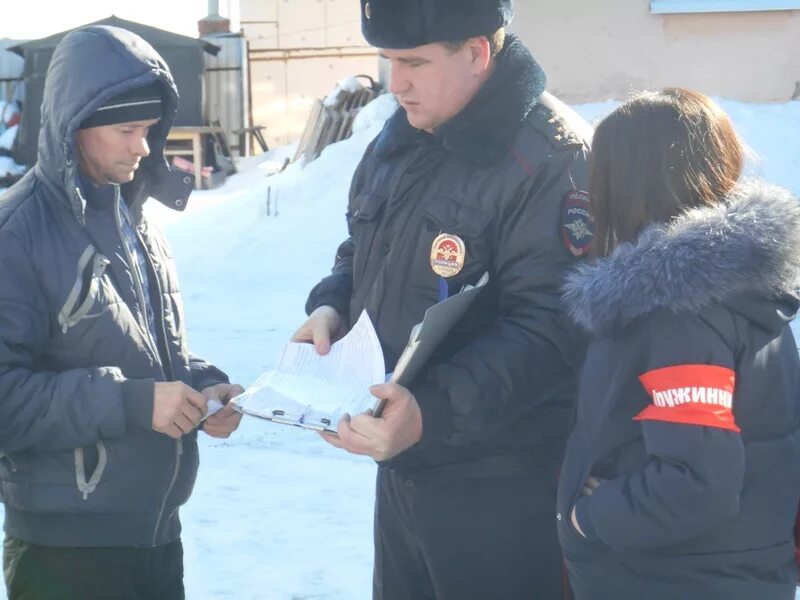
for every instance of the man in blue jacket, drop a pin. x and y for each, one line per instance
(100, 400)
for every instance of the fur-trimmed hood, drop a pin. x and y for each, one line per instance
(749, 245)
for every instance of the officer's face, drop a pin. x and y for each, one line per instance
(433, 82)
(111, 153)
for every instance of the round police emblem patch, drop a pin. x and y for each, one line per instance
(577, 223)
(447, 255)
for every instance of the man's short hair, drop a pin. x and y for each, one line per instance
(496, 42)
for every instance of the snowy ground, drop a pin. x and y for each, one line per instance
(276, 513)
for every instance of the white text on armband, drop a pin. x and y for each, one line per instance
(692, 395)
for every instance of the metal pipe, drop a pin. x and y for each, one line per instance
(314, 49)
(288, 58)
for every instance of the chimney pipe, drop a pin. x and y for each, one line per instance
(213, 24)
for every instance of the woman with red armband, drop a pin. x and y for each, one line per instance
(682, 475)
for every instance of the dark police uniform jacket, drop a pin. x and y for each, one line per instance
(689, 407)
(498, 176)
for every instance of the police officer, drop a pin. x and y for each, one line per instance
(479, 170)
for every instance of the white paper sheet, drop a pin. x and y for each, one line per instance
(310, 390)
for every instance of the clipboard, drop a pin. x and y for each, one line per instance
(427, 335)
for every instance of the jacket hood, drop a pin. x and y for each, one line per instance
(740, 252)
(487, 126)
(88, 67)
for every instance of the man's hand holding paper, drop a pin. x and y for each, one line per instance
(398, 428)
(224, 418)
(322, 328)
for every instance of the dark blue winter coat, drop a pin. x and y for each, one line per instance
(689, 409)
(499, 176)
(79, 462)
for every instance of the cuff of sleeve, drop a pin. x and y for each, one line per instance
(207, 376)
(335, 291)
(584, 520)
(331, 300)
(137, 402)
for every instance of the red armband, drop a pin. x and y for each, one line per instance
(690, 394)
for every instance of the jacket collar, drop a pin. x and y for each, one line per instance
(485, 129)
(746, 246)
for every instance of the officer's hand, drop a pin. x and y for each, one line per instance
(225, 421)
(398, 428)
(323, 327)
(177, 408)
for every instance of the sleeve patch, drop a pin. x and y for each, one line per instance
(577, 223)
(691, 395)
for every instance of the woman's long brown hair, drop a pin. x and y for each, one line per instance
(656, 156)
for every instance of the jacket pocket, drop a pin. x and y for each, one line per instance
(78, 305)
(84, 464)
(363, 223)
(458, 218)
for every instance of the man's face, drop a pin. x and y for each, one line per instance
(433, 83)
(111, 153)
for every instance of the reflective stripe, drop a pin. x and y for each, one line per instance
(66, 311)
(87, 487)
(98, 268)
(126, 104)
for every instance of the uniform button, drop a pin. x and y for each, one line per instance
(558, 516)
(187, 180)
(408, 483)
(178, 202)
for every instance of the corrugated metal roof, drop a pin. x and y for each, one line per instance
(154, 35)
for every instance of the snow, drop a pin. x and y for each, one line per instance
(276, 513)
(350, 85)
(7, 137)
(9, 167)
(770, 131)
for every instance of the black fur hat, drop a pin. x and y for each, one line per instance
(412, 23)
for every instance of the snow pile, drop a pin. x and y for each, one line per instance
(8, 168)
(7, 137)
(771, 132)
(350, 85)
(276, 513)
(9, 114)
